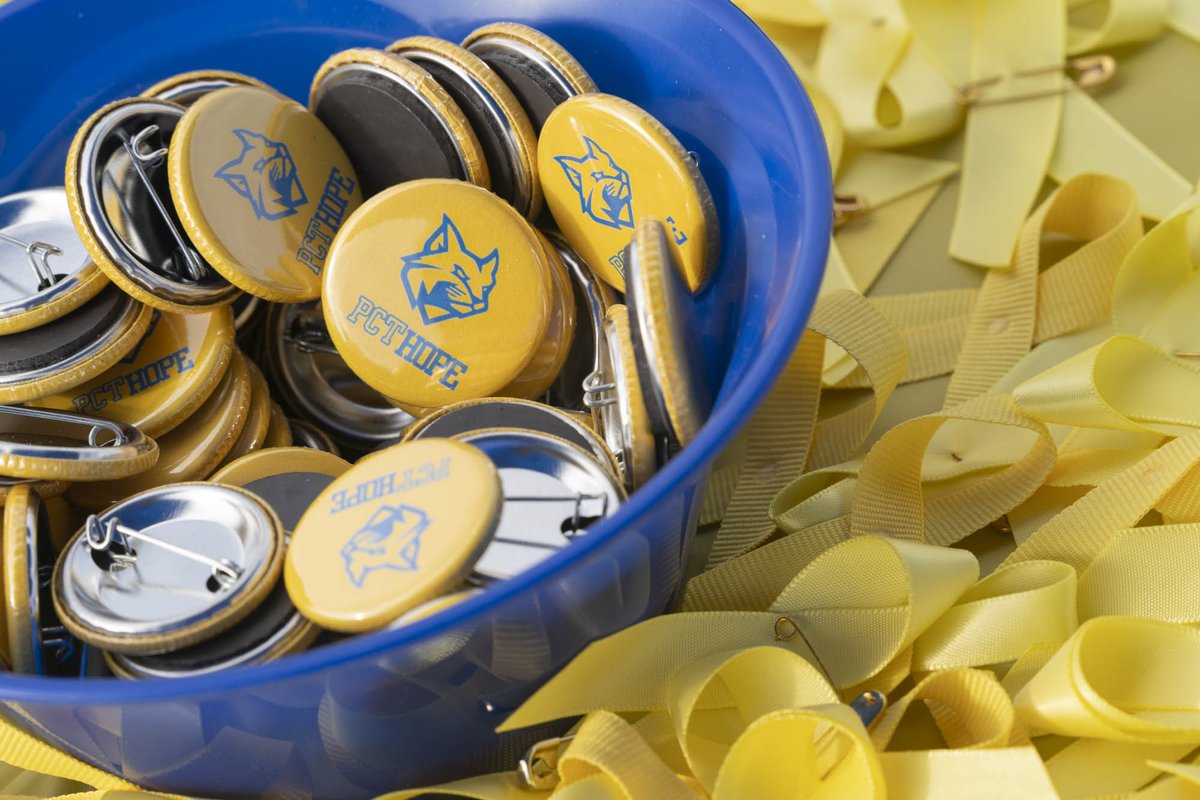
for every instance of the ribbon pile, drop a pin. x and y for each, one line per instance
(842, 566)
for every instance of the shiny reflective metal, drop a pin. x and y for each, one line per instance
(604, 393)
(66, 436)
(315, 383)
(510, 180)
(42, 256)
(305, 434)
(505, 412)
(592, 300)
(148, 573)
(125, 197)
(113, 539)
(538, 770)
(553, 491)
(391, 132)
(272, 630)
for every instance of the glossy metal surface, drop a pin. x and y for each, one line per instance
(364, 716)
(592, 299)
(39, 215)
(164, 591)
(67, 436)
(122, 211)
(553, 491)
(315, 381)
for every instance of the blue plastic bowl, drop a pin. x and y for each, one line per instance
(418, 705)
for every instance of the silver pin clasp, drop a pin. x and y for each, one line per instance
(95, 425)
(143, 155)
(309, 338)
(113, 538)
(538, 770)
(578, 499)
(38, 253)
(598, 391)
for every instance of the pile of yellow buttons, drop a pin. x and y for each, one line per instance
(293, 372)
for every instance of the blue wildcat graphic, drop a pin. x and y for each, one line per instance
(265, 174)
(390, 539)
(603, 187)
(446, 280)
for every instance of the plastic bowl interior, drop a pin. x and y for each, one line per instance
(417, 705)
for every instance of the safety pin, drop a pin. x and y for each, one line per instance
(38, 253)
(1087, 72)
(869, 706)
(141, 158)
(538, 770)
(94, 424)
(595, 389)
(103, 537)
(578, 499)
(847, 207)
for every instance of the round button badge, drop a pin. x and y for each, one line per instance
(606, 163)
(188, 87)
(288, 479)
(437, 291)
(167, 375)
(618, 402)
(547, 362)
(40, 444)
(505, 133)
(403, 526)
(539, 70)
(46, 271)
(397, 123)
(168, 568)
(262, 187)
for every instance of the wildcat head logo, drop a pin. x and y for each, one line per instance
(265, 174)
(391, 539)
(446, 280)
(603, 187)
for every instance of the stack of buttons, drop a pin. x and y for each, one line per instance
(287, 370)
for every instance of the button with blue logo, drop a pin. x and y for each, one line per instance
(403, 526)
(605, 164)
(437, 291)
(261, 187)
(170, 372)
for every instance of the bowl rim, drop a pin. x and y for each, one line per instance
(804, 266)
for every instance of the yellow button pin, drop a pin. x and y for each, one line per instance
(437, 291)
(189, 452)
(261, 187)
(403, 526)
(170, 372)
(606, 163)
(544, 368)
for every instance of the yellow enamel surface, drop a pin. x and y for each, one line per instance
(258, 417)
(431, 241)
(549, 359)
(188, 453)
(667, 362)
(261, 186)
(595, 153)
(84, 371)
(16, 635)
(172, 369)
(403, 526)
(279, 432)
